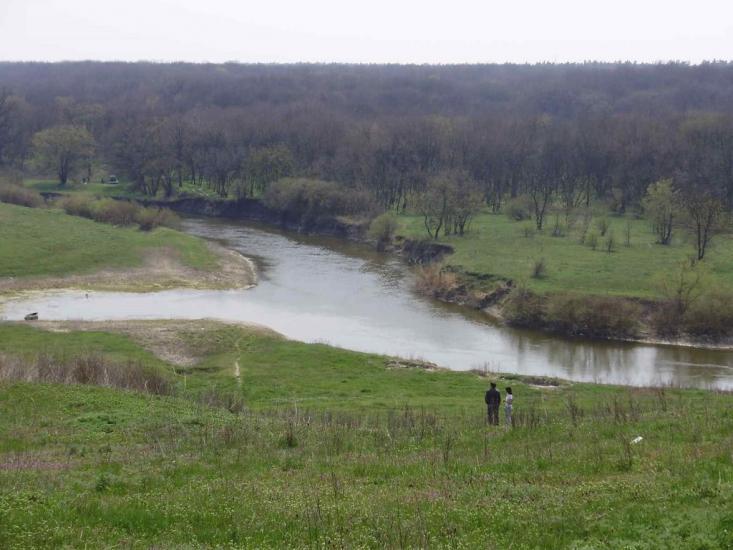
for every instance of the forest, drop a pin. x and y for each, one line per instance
(564, 134)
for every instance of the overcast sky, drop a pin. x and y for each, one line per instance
(399, 31)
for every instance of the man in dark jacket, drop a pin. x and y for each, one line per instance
(493, 400)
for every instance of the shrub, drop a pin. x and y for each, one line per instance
(229, 400)
(17, 194)
(594, 316)
(115, 212)
(539, 269)
(602, 225)
(710, 316)
(591, 240)
(433, 280)
(519, 209)
(148, 218)
(666, 319)
(309, 200)
(382, 228)
(79, 205)
(610, 244)
(558, 229)
(524, 308)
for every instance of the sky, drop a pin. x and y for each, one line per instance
(376, 31)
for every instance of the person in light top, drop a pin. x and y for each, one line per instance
(508, 401)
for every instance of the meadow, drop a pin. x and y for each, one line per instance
(498, 246)
(314, 446)
(48, 242)
(118, 190)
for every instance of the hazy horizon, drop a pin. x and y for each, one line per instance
(326, 31)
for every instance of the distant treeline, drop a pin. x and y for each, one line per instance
(559, 134)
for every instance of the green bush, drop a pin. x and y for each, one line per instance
(17, 194)
(539, 269)
(593, 316)
(519, 209)
(382, 228)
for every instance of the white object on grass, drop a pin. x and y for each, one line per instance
(637, 439)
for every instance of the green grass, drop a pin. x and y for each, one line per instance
(498, 246)
(28, 342)
(314, 461)
(122, 189)
(38, 242)
(94, 188)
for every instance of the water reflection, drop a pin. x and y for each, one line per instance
(315, 289)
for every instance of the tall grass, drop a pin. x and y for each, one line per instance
(566, 475)
(119, 212)
(433, 280)
(17, 194)
(91, 369)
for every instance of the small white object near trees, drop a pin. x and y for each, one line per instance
(637, 439)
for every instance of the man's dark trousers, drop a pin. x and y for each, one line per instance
(493, 400)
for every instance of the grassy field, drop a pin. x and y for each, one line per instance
(330, 448)
(497, 246)
(505, 248)
(121, 189)
(44, 242)
(94, 188)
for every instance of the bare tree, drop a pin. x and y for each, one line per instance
(706, 217)
(434, 205)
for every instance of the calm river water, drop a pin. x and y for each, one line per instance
(325, 290)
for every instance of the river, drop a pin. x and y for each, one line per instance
(340, 293)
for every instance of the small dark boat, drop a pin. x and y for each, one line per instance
(31, 317)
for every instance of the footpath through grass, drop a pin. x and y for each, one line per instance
(496, 245)
(329, 448)
(46, 242)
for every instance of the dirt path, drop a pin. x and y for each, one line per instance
(162, 269)
(237, 368)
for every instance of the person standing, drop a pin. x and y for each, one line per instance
(493, 400)
(508, 405)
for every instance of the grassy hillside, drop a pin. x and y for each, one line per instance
(331, 448)
(38, 242)
(505, 248)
